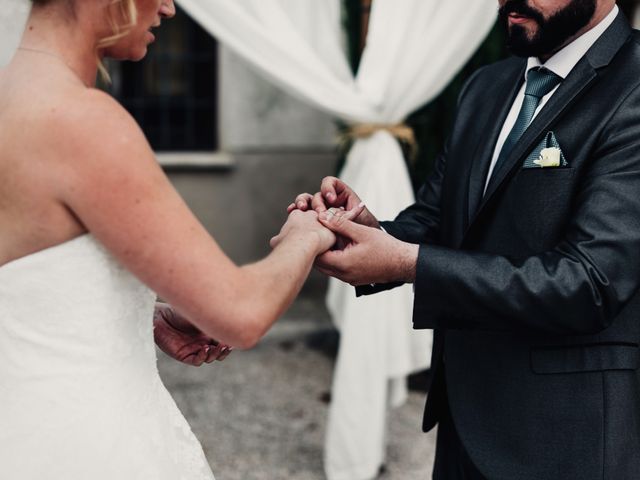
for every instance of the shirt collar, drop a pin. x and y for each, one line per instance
(563, 61)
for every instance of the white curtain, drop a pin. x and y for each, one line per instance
(414, 48)
(13, 16)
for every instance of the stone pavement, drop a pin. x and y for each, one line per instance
(261, 414)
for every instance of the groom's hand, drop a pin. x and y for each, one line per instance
(370, 255)
(308, 221)
(179, 339)
(334, 193)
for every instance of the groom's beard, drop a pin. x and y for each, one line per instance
(552, 33)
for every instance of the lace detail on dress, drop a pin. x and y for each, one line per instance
(82, 398)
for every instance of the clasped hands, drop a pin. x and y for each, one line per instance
(362, 253)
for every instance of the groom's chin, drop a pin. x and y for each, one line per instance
(522, 43)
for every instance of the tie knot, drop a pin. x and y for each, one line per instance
(541, 81)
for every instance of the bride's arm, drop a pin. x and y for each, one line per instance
(112, 183)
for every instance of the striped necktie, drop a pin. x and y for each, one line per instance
(540, 81)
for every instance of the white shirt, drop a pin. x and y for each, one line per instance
(561, 64)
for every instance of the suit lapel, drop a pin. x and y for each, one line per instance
(570, 89)
(486, 146)
(576, 83)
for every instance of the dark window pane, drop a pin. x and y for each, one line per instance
(172, 93)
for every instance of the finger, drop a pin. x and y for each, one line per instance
(214, 352)
(225, 353)
(354, 212)
(210, 354)
(318, 203)
(189, 359)
(161, 312)
(189, 355)
(336, 221)
(303, 201)
(291, 208)
(187, 350)
(226, 350)
(200, 357)
(304, 197)
(328, 189)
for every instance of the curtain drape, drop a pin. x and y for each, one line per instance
(13, 16)
(413, 49)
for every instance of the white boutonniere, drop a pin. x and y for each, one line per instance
(549, 157)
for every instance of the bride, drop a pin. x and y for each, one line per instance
(91, 231)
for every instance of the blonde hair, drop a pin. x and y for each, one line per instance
(121, 21)
(126, 11)
(122, 16)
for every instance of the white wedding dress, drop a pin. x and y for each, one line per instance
(80, 395)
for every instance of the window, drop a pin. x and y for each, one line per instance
(172, 93)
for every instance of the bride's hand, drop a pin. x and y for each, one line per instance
(304, 227)
(179, 339)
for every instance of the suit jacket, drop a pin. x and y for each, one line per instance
(532, 289)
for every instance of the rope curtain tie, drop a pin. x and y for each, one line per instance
(402, 132)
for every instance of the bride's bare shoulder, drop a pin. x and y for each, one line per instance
(69, 135)
(56, 113)
(86, 115)
(80, 125)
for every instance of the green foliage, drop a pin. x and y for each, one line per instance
(351, 18)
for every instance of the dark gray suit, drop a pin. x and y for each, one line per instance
(532, 289)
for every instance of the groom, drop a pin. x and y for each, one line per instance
(524, 251)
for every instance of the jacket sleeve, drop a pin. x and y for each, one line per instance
(417, 224)
(579, 286)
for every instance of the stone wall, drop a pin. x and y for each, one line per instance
(256, 115)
